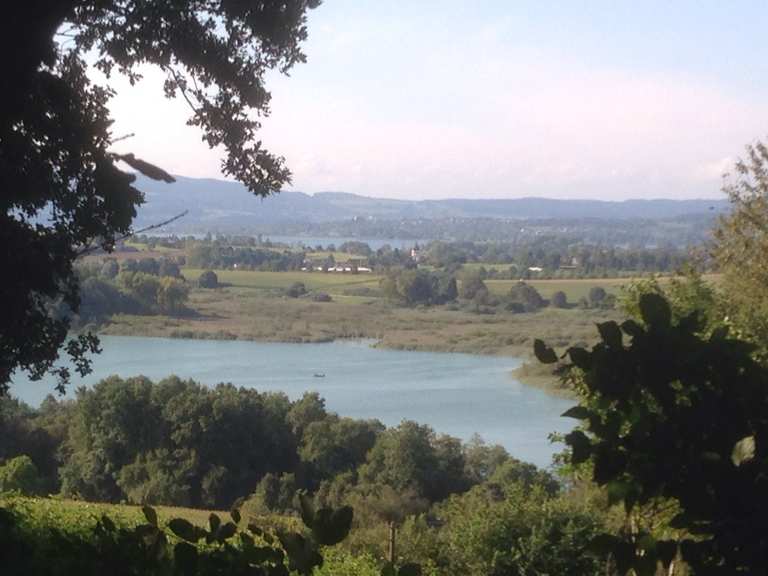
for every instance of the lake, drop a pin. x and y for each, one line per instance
(457, 394)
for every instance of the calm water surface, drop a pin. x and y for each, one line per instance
(457, 394)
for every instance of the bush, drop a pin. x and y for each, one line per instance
(321, 297)
(296, 289)
(208, 279)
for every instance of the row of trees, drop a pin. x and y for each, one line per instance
(177, 442)
(425, 288)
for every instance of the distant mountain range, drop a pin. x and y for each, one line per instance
(220, 206)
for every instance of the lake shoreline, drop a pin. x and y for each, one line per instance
(458, 394)
(528, 373)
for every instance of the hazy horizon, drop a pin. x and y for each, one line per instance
(443, 100)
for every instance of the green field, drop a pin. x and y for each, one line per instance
(74, 515)
(331, 282)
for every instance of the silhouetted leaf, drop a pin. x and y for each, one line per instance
(655, 310)
(332, 526)
(307, 510)
(226, 531)
(543, 353)
(580, 358)
(183, 529)
(213, 523)
(235, 514)
(631, 328)
(578, 412)
(302, 556)
(107, 523)
(150, 515)
(610, 333)
(581, 447)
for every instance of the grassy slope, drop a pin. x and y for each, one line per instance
(77, 515)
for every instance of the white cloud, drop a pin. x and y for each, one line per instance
(472, 118)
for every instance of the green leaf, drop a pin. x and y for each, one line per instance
(544, 353)
(743, 450)
(150, 515)
(332, 526)
(655, 310)
(185, 558)
(610, 334)
(577, 412)
(183, 529)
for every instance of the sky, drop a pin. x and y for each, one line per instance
(499, 99)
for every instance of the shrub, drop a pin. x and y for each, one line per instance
(559, 300)
(296, 289)
(208, 279)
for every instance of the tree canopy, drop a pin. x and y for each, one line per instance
(63, 189)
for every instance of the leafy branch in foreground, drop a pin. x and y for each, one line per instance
(677, 416)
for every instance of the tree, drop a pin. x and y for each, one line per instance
(208, 279)
(20, 474)
(526, 295)
(680, 417)
(597, 296)
(471, 285)
(172, 295)
(168, 267)
(740, 245)
(559, 300)
(62, 188)
(109, 269)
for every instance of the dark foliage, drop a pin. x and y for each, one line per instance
(62, 190)
(680, 416)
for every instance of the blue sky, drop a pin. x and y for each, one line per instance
(427, 99)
